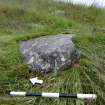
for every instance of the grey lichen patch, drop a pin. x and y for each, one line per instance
(50, 52)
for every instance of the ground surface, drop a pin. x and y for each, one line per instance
(23, 20)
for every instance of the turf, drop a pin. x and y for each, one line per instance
(26, 19)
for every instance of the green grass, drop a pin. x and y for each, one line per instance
(21, 20)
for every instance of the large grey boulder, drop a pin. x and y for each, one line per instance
(50, 52)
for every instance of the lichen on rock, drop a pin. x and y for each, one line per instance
(48, 53)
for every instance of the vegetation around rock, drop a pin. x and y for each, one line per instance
(26, 19)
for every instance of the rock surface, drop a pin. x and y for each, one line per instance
(50, 52)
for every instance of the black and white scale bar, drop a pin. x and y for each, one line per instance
(65, 95)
